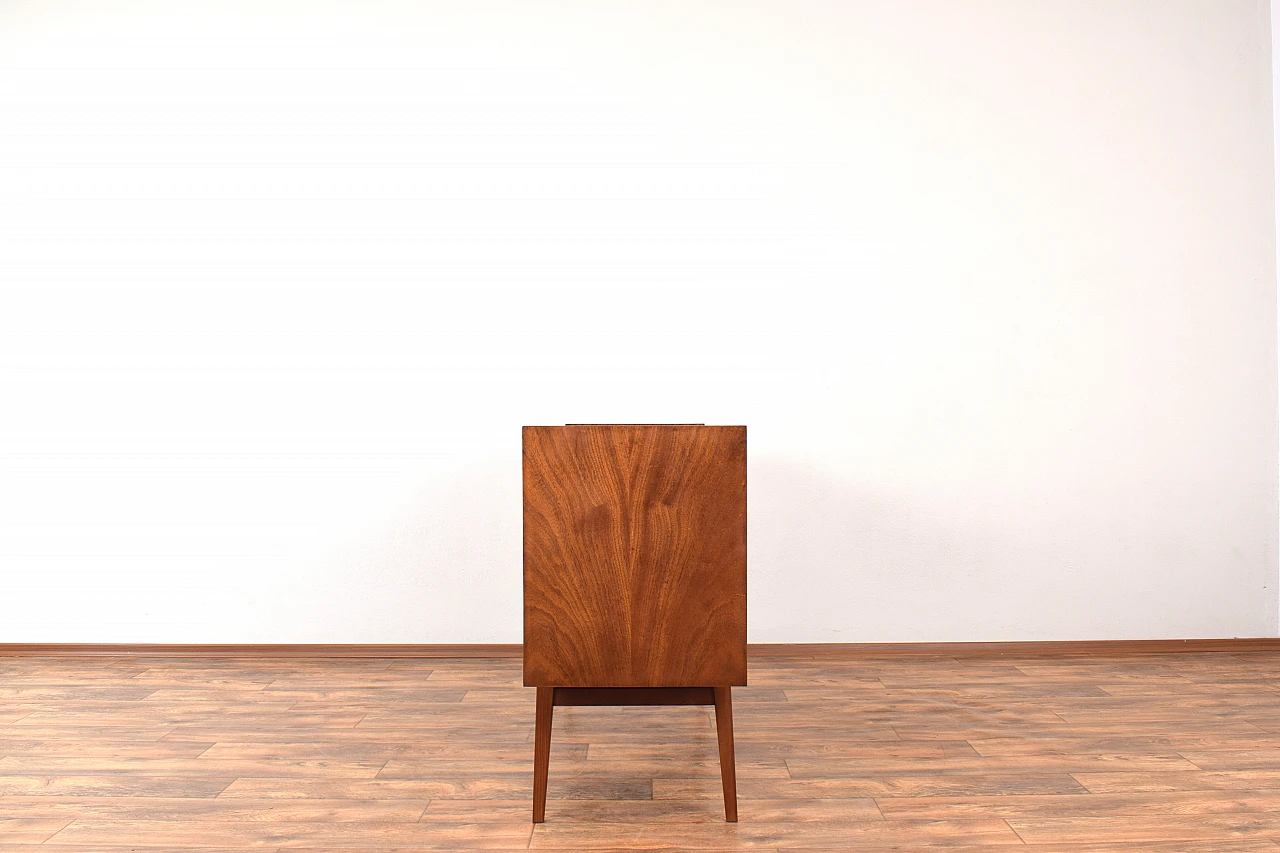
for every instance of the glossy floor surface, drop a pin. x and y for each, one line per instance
(1065, 754)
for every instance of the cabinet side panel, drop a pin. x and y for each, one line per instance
(689, 577)
(635, 555)
(575, 621)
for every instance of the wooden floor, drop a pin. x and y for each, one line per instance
(1065, 754)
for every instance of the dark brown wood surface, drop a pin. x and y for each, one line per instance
(595, 696)
(635, 550)
(723, 698)
(1143, 753)
(543, 713)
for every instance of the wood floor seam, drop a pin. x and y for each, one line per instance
(876, 802)
(57, 832)
(1014, 830)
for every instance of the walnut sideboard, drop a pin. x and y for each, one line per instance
(635, 573)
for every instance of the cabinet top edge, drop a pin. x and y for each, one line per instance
(563, 426)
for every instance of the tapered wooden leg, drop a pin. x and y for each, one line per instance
(541, 750)
(724, 734)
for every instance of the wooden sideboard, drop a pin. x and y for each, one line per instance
(635, 573)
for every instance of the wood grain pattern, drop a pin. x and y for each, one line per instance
(635, 556)
(1172, 753)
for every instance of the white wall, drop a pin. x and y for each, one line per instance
(992, 284)
(1275, 135)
